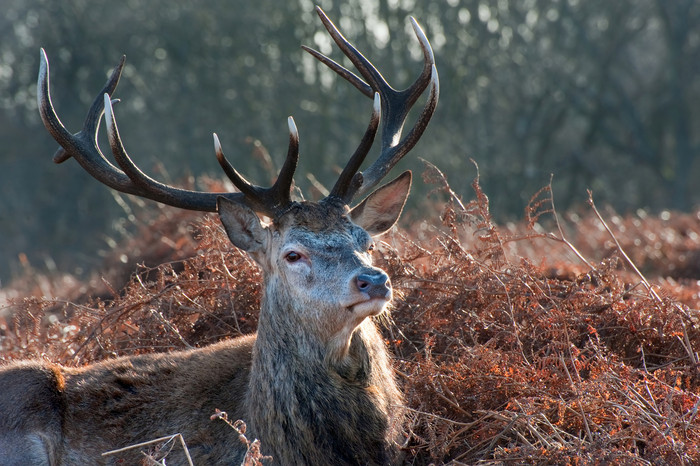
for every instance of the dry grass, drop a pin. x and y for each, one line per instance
(512, 345)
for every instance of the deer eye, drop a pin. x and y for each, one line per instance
(292, 256)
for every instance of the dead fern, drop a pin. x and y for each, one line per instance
(515, 344)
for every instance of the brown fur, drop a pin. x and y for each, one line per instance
(315, 384)
(129, 400)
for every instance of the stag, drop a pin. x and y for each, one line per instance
(315, 383)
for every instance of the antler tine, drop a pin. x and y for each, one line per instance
(345, 73)
(283, 185)
(269, 201)
(92, 121)
(236, 178)
(395, 104)
(417, 88)
(349, 180)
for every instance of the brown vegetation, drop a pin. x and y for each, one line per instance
(512, 346)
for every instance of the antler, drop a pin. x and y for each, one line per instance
(395, 106)
(130, 179)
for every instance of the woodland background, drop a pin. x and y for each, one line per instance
(604, 95)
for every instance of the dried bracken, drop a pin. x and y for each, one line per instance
(512, 345)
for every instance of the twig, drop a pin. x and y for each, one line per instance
(159, 315)
(562, 237)
(622, 251)
(151, 442)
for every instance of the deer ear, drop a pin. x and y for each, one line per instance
(242, 225)
(381, 209)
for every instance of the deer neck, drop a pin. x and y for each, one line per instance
(307, 406)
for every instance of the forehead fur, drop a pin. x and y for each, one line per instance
(327, 215)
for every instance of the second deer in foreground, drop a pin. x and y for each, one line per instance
(315, 384)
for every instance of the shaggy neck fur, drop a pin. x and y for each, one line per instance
(310, 409)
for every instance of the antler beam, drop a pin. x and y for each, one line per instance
(128, 178)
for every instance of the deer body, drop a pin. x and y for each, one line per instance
(122, 402)
(315, 384)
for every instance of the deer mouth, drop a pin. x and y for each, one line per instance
(369, 307)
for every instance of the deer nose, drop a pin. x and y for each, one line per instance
(375, 284)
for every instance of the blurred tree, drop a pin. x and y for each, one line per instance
(602, 94)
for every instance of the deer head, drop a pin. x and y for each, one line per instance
(317, 262)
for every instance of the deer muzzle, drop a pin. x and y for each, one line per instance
(375, 284)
